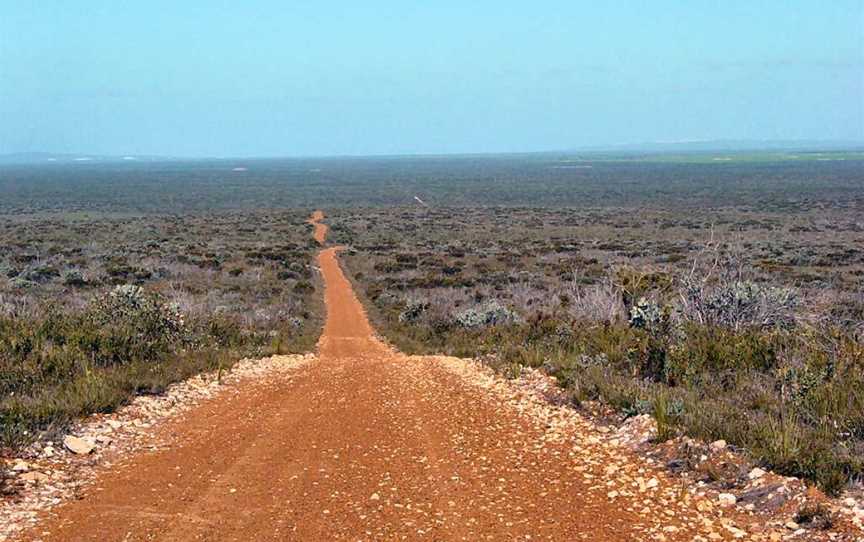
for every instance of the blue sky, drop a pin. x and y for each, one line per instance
(257, 78)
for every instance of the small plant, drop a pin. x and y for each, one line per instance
(637, 408)
(739, 304)
(21, 283)
(782, 440)
(666, 413)
(220, 371)
(648, 315)
(489, 314)
(815, 516)
(414, 309)
(7, 270)
(304, 287)
(586, 361)
(74, 277)
(144, 314)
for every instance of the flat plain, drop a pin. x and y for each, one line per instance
(719, 293)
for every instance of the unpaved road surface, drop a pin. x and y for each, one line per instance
(364, 443)
(320, 233)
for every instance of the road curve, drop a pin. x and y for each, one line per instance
(365, 443)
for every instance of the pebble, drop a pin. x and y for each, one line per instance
(727, 499)
(78, 445)
(756, 473)
(35, 476)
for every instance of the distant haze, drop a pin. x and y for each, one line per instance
(289, 78)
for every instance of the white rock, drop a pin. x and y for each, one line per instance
(637, 430)
(76, 445)
(20, 466)
(850, 502)
(35, 476)
(756, 473)
(727, 499)
(718, 445)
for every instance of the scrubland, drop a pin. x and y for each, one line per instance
(725, 298)
(729, 323)
(95, 310)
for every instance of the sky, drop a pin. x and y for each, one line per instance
(322, 77)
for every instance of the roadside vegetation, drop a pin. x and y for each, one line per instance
(722, 296)
(96, 310)
(731, 323)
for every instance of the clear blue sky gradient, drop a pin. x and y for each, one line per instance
(258, 77)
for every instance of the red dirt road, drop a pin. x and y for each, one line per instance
(320, 233)
(365, 443)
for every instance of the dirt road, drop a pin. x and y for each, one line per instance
(365, 443)
(320, 231)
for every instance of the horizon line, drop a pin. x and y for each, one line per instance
(748, 145)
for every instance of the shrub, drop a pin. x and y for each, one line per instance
(21, 283)
(635, 284)
(815, 516)
(740, 304)
(62, 356)
(73, 277)
(719, 356)
(488, 314)
(413, 310)
(143, 314)
(648, 315)
(599, 302)
(7, 270)
(304, 287)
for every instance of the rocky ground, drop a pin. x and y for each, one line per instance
(786, 507)
(53, 471)
(678, 477)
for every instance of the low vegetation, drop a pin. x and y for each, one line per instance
(719, 325)
(767, 180)
(723, 297)
(96, 310)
